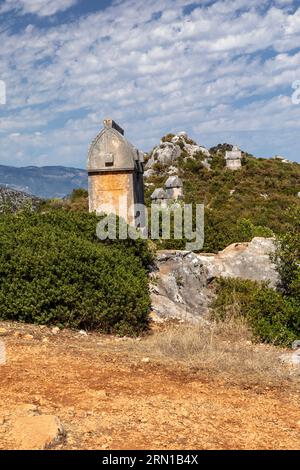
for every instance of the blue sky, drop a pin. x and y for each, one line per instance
(221, 70)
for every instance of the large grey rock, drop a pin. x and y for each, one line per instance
(244, 260)
(149, 173)
(173, 170)
(181, 284)
(179, 288)
(165, 154)
(204, 150)
(292, 358)
(173, 182)
(158, 193)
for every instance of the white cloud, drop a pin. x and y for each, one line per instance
(37, 7)
(211, 72)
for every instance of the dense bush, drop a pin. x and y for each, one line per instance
(54, 270)
(78, 194)
(167, 138)
(272, 316)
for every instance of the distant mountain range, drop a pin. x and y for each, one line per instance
(44, 182)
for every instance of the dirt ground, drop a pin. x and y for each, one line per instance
(108, 395)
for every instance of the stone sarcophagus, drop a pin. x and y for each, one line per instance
(234, 158)
(115, 173)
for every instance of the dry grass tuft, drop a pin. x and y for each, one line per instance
(224, 349)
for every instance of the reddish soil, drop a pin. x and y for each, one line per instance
(108, 396)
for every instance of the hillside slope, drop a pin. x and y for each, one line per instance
(238, 204)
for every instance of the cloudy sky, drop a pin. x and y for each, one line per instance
(221, 70)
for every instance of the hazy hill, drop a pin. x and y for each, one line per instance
(44, 182)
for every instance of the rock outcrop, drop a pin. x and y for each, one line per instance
(244, 260)
(171, 148)
(179, 287)
(165, 154)
(181, 283)
(12, 200)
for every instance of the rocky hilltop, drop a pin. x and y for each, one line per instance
(171, 148)
(14, 200)
(244, 196)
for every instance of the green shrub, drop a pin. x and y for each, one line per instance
(54, 270)
(247, 230)
(288, 256)
(78, 193)
(167, 138)
(273, 317)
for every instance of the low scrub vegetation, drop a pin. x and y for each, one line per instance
(252, 201)
(54, 270)
(272, 317)
(221, 349)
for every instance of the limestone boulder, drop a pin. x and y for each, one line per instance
(244, 260)
(181, 285)
(149, 173)
(173, 182)
(165, 154)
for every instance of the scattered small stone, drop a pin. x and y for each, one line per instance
(71, 440)
(101, 394)
(292, 359)
(28, 336)
(155, 318)
(146, 360)
(3, 331)
(45, 340)
(83, 333)
(55, 330)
